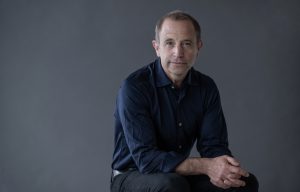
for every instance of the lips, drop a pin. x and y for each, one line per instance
(178, 62)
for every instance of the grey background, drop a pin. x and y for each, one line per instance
(61, 64)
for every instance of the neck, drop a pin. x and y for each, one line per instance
(177, 83)
(177, 80)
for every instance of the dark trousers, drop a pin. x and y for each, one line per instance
(133, 181)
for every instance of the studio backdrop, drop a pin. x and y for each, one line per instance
(62, 62)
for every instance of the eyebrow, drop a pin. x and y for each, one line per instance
(169, 39)
(186, 40)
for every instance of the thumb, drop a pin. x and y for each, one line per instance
(233, 161)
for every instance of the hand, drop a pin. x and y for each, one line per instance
(225, 172)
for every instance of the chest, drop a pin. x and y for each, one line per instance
(177, 114)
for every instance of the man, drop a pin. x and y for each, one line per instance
(161, 110)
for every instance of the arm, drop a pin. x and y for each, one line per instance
(212, 138)
(212, 144)
(223, 171)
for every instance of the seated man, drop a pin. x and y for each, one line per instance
(165, 107)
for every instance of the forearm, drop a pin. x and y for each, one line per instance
(193, 166)
(223, 171)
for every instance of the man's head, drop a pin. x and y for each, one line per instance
(177, 43)
(177, 15)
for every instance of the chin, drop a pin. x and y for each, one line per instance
(179, 72)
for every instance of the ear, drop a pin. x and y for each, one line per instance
(155, 45)
(199, 45)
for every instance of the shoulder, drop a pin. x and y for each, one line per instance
(142, 75)
(140, 81)
(205, 81)
(208, 90)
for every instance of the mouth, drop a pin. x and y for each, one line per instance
(178, 62)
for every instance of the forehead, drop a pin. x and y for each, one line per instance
(177, 29)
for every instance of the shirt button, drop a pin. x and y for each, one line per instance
(179, 124)
(173, 87)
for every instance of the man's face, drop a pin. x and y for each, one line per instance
(177, 47)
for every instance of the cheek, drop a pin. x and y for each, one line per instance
(167, 53)
(192, 55)
(163, 55)
(157, 53)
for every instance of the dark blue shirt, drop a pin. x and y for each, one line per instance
(156, 124)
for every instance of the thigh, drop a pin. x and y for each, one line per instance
(251, 184)
(136, 182)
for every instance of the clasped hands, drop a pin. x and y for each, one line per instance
(225, 172)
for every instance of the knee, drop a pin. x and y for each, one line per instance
(172, 183)
(251, 183)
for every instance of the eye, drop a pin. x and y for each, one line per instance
(187, 44)
(169, 43)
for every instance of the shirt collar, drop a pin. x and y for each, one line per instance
(161, 77)
(163, 80)
(193, 78)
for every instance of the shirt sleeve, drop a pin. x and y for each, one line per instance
(133, 105)
(212, 138)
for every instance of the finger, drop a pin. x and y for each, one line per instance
(220, 183)
(233, 176)
(243, 172)
(239, 171)
(235, 182)
(233, 161)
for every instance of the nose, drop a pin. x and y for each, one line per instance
(178, 51)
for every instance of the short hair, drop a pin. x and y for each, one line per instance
(178, 15)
